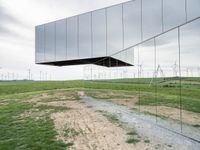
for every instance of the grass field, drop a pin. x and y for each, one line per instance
(26, 133)
(166, 92)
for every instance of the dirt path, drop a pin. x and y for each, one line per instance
(94, 131)
(84, 125)
(155, 133)
(168, 112)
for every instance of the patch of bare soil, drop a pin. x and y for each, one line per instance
(109, 94)
(53, 96)
(92, 131)
(168, 112)
(173, 113)
(117, 98)
(38, 98)
(48, 99)
(35, 114)
(129, 102)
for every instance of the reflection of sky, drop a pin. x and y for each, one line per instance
(18, 19)
(167, 51)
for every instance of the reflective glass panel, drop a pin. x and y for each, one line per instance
(193, 10)
(50, 41)
(146, 70)
(39, 45)
(152, 18)
(85, 44)
(114, 26)
(99, 33)
(168, 80)
(130, 57)
(132, 23)
(190, 72)
(72, 38)
(174, 13)
(61, 34)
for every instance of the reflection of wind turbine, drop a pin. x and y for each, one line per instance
(187, 72)
(157, 71)
(174, 68)
(140, 70)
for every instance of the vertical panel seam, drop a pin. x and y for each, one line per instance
(91, 34)
(55, 38)
(106, 15)
(66, 40)
(78, 35)
(122, 26)
(179, 47)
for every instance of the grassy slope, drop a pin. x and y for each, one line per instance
(30, 86)
(168, 91)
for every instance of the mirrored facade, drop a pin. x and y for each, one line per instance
(156, 47)
(107, 31)
(61, 37)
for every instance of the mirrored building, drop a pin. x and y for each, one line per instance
(159, 38)
(98, 35)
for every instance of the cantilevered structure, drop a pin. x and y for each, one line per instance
(89, 38)
(109, 36)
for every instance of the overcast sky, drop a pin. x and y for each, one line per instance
(18, 19)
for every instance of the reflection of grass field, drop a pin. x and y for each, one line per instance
(168, 91)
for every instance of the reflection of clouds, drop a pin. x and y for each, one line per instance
(114, 26)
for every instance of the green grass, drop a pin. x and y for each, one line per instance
(147, 141)
(168, 90)
(133, 137)
(31, 86)
(132, 141)
(27, 133)
(112, 118)
(196, 125)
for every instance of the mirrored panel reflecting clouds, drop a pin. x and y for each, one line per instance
(174, 13)
(39, 43)
(85, 36)
(152, 18)
(50, 42)
(61, 40)
(99, 33)
(114, 29)
(72, 38)
(132, 23)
